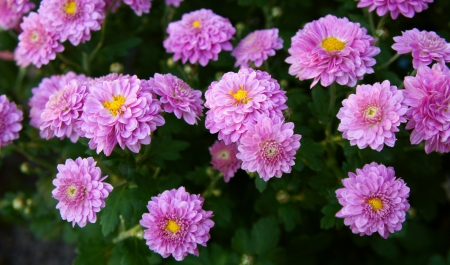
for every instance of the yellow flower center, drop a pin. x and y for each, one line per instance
(196, 24)
(376, 204)
(70, 7)
(240, 96)
(332, 44)
(114, 106)
(172, 226)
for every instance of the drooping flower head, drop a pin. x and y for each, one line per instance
(372, 115)
(425, 47)
(223, 158)
(256, 47)
(332, 49)
(373, 200)
(80, 190)
(175, 3)
(178, 97)
(37, 44)
(428, 96)
(139, 6)
(199, 37)
(12, 11)
(120, 111)
(10, 118)
(72, 20)
(268, 147)
(406, 7)
(176, 223)
(238, 99)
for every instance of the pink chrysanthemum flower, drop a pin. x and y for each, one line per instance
(62, 114)
(425, 47)
(176, 223)
(139, 6)
(372, 115)
(37, 45)
(72, 20)
(428, 96)
(238, 99)
(332, 49)
(268, 147)
(405, 7)
(256, 47)
(178, 97)
(120, 111)
(373, 200)
(199, 36)
(80, 190)
(175, 3)
(224, 159)
(12, 11)
(10, 118)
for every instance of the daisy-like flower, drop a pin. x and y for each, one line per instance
(72, 20)
(238, 99)
(268, 147)
(120, 111)
(176, 223)
(425, 47)
(80, 190)
(37, 44)
(256, 47)
(62, 114)
(178, 97)
(139, 6)
(405, 7)
(12, 11)
(372, 115)
(332, 49)
(428, 97)
(10, 118)
(373, 200)
(199, 36)
(224, 159)
(175, 3)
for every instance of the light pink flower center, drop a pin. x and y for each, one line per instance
(34, 36)
(331, 44)
(240, 96)
(59, 100)
(271, 150)
(73, 192)
(114, 105)
(223, 155)
(372, 113)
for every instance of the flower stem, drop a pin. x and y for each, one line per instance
(371, 23)
(393, 58)
(69, 62)
(332, 98)
(135, 231)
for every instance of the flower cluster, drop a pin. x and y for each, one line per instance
(12, 11)
(406, 7)
(10, 118)
(224, 159)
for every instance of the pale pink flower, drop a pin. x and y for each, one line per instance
(223, 158)
(139, 6)
(175, 3)
(10, 118)
(405, 7)
(12, 11)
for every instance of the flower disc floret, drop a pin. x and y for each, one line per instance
(373, 200)
(12, 11)
(223, 158)
(406, 7)
(10, 118)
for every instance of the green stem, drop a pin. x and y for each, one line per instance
(135, 231)
(332, 98)
(69, 62)
(85, 63)
(33, 158)
(103, 33)
(393, 58)
(371, 23)
(212, 185)
(19, 79)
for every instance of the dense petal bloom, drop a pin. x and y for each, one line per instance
(428, 96)
(37, 44)
(238, 99)
(268, 147)
(12, 11)
(139, 6)
(175, 3)
(224, 159)
(122, 111)
(80, 190)
(373, 200)
(405, 7)
(176, 223)
(178, 97)
(425, 47)
(372, 115)
(72, 20)
(256, 47)
(332, 49)
(199, 36)
(10, 118)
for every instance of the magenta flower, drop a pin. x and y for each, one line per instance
(175, 3)
(332, 49)
(80, 190)
(425, 47)
(256, 47)
(139, 6)
(428, 97)
(373, 200)
(224, 159)
(199, 36)
(176, 223)
(239, 99)
(268, 147)
(72, 20)
(10, 118)
(372, 115)
(12, 11)
(405, 7)
(120, 111)
(37, 45)
(178, 97)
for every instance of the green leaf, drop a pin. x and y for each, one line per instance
(91, 253)
(165, 148)
(289, 216)
(260, 184)
(136, 252)
(242, 242)
(310, 154)
(119, 202)
(320, 105)
(127, 167)
(329, 219)
(120, 48)
(265, 235)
